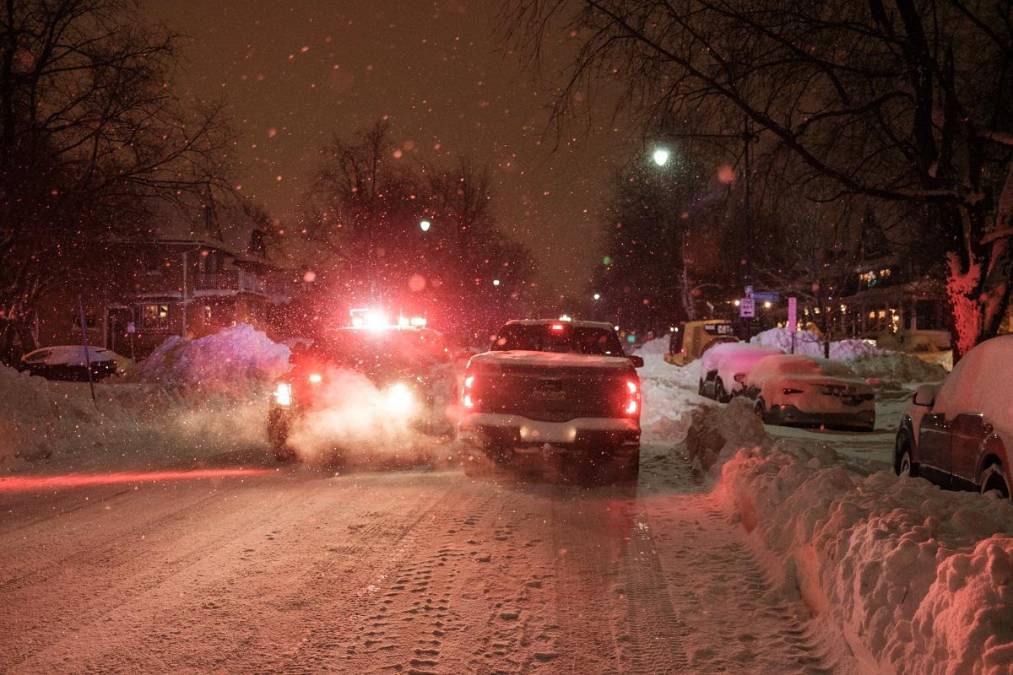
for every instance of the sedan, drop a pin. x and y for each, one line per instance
(70, 362)
(796, 390)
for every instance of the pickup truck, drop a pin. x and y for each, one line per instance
(555, 385)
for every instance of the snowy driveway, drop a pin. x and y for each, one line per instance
(388, 572)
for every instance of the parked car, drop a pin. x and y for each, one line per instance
(797, 390)
(724, 368)
(565, 384)
(959, 435)
(70, 362)
(693, 338)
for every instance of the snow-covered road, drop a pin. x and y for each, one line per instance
(424, 571)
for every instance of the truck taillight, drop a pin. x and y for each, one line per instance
(632, 406)
(467, 398)
(283, 394)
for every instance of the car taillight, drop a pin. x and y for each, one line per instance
(632, 406)
(467, 398)
(315, 378)
(788, 391)
(283, 394)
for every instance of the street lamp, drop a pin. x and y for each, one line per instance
(495, 282)
(661, 156)
(597, 296)
(424, 225)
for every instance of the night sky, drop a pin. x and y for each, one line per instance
(298, 71)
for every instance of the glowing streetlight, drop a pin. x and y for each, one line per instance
(495, 282)
(597, 296)
(424, 225)
(661, 156)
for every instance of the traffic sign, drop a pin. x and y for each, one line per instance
(747, 307)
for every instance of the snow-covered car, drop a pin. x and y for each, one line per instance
(797, 390)
(70, 362)
(959, 434)
(565, 384)
(410, 380)
(724, 368)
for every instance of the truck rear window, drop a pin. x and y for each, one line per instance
(563, 338)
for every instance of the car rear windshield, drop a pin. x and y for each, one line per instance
(560, 337)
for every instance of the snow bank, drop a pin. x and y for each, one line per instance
(809, 343)
(919, 580)
(897, 367)
(657, 346)
(232, 361)
(47, 426)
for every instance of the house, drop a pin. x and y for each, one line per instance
(142, 292)
(196, 269)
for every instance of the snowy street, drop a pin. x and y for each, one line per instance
(382, 572)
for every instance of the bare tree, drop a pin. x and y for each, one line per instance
(906, 102)
(91, 133)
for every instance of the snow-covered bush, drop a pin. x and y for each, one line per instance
(919, 580)
(232, 361)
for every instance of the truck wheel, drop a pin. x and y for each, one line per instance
(277, 433)
(629, 468)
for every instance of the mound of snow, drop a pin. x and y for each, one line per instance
(49, 425)
(656, 346)
(715, 434)
(917, 579)
(233, 360)
(809, 343)
(897, 367)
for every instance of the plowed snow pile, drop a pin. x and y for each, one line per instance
(917, 579)
(231, 361)
(187, 402)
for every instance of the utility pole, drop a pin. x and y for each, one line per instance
(747, 137)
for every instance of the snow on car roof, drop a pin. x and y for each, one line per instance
(729, 354)
(797, 364)
(982, 382)
(548, 322)
(70, 354)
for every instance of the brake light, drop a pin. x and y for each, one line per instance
(632, 406)
(283, 394)
(466, 399)
(316, 378)
(558, 327)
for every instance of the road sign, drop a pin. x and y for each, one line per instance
(131, 327)
(793, 314)
(747, 307)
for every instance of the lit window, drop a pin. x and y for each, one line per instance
(155, 317)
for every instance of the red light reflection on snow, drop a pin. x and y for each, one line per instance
(72, 480)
